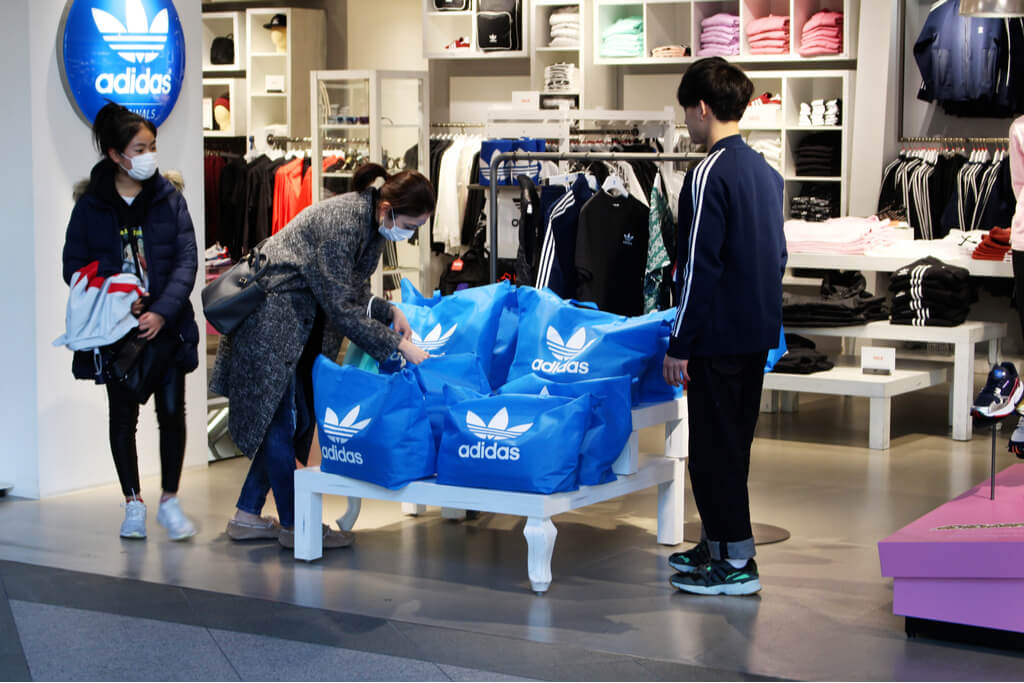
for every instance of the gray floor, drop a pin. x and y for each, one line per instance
(431, 595)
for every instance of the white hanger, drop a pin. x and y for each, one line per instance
(614, 186)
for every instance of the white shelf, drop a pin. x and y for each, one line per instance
(269, 94)
(454, 13)
(400, 126)
(548, 48)
(814, 179)
(474, 54)
(776, 128)
(282, 55)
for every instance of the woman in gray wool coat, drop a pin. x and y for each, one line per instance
(318, 292)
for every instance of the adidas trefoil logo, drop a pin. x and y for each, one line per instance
(627, 239)
(494, 431)
(434, 340)
(497, 429)
(565, 353)
(136, 40)
(493, 38)
(340, 431)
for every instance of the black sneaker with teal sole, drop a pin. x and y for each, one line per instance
(718, 577)
(688, 561)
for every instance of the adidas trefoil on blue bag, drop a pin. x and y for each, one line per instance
(372, 427)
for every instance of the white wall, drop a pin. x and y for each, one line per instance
(385, 34)
(56, 438)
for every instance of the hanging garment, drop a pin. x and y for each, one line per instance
(611, 253)
(556, 269)
(657, 255)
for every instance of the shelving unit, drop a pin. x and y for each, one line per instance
(796, 87)
(220, 24)
(440, 28)
(393, 105)
(543, 55)
(678, 22)
(234, 88)
(284, 112)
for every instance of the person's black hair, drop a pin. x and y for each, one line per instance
(115, 126)
(408, 192)
(721, 85)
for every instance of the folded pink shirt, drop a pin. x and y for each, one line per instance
(757, 44)
(769, 23)
(824, 18)
(769, 50)
(721, 19)
(830, 32)
(769, 35)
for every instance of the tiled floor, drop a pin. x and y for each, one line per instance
(437, 598)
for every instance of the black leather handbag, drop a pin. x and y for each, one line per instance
(139, 365)
(222, 50)
(231, 298)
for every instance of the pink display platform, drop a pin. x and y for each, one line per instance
(963, 562)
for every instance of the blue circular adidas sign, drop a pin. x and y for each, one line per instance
(128, 51)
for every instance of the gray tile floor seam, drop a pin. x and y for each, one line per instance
(13, 663)
(184, 595)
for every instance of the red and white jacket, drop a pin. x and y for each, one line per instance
(99, 309)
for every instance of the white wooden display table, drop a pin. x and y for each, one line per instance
(878, 389)
(890, 264)
(963, 338)
(635, 473)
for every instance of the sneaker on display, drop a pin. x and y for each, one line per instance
(459, 42)
(1002, 392)
(718, 577)
(134, 524)
(1016, 445)
(690, 560)
(179, 527)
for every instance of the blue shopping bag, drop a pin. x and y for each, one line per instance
(411, 295)
(565, 341)
(460, 371)
(508, 171)
(514, 443)
(372, 427)
(609, 426)
(467, 321)
(776, 354)
(652, 387)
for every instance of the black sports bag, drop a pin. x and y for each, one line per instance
(451, 5)
(499, 24)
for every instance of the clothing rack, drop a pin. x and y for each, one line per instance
(284, 140)
(496, 159)
(956, 141)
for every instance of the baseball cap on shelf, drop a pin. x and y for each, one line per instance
(278, 21)
(222, 102)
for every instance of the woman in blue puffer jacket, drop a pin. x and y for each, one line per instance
(132, 219)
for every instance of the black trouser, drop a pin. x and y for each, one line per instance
(723, 400)
(124, 419)
(1018, 284)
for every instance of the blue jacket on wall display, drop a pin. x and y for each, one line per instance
(971, 66)
(93, 234)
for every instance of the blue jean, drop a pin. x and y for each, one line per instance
(273, 467)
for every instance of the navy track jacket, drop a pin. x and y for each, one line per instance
(731, 255)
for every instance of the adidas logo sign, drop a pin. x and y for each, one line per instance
(627, 239)
(496, 430)
(339, 432)
(136, 41)
(565, 352)
(434, 340)
(493, 38)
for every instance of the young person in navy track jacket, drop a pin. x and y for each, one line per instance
(729, 266)
(132, 219)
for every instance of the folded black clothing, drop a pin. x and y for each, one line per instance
(937, 296)
(851, 304)
(932, 270)
(918, 321)
(843, 284)
(797, 341)
(924, 310)
(800, 361)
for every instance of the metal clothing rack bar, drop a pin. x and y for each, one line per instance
(282, 140)
(492, 220)
(957, 140)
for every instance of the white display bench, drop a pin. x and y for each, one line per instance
(635, 473)
(851, 381)
(963, 337)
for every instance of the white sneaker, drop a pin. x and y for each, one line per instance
(179, 527)
(134, 524)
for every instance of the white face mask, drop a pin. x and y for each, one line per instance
(143, 166)
(395, 233)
